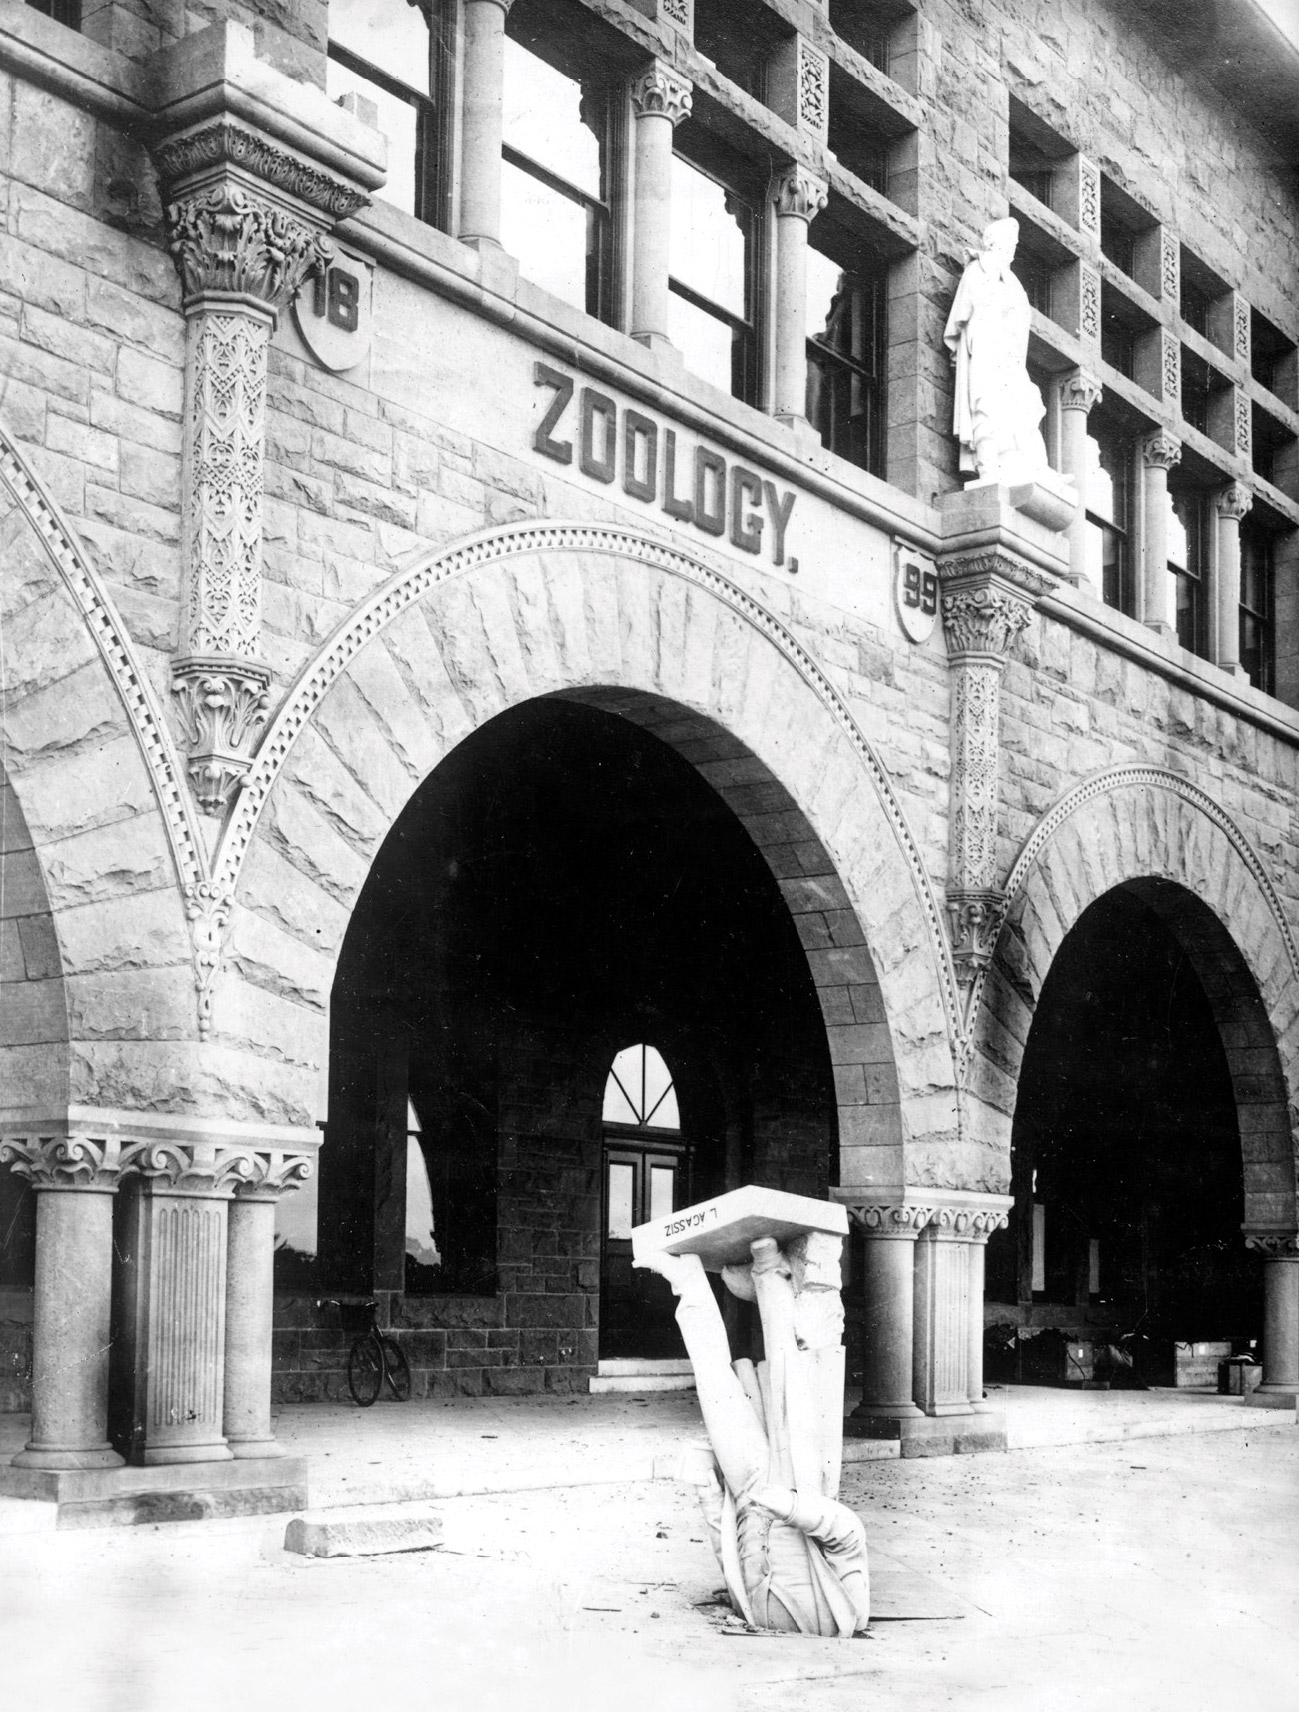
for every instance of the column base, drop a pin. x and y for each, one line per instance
(243, 1449)
(42, 1456)
(933, 1435)
(1268, 1397)
(114, 1497)
(155, 1456)
(887, 1412)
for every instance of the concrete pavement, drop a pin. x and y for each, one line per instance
(1150, 1573)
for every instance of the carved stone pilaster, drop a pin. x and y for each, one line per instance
(988, 598)
(663, 93)
(798, 193)
(247, 224)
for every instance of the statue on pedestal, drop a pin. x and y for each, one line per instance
(793, 1556)
(998, 411)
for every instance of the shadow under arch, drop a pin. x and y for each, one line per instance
(1164, 840)
(635, 628)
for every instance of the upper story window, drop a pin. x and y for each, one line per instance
(1186, 532)
(1257, 635)
(1109, 514)
(62, 11)
(712, 275)
(845, 358)
(397, 56)
(555, 217)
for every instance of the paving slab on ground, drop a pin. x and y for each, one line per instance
(1159, 1576)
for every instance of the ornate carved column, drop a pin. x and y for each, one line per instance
(1232, 504)
(799, 197)
(481, 121)
(890, 1230)
(1079, 391)
(661, 98)
(1159, 452)
(75, 1178)
(987, 599)
(1279, 1387)
(246, 223)
(250, 1301)
(172, 1299)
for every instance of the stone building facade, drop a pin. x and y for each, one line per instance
(488, 589)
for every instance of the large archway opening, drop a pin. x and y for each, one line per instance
(1127, 1154)
(563, 887)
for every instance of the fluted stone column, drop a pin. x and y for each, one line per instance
(1159, 453)
(1232, 505)
(1279, 1387)
(250, 1302)
(660, 98)
(172, 1313)
(987, 599)
(1079, 391)
(75, 1179)
(889, 1231)
(941, 1381)
(798, 197)
(246, 226)
(482, 121)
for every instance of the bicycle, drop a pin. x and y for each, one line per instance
(373, 1357)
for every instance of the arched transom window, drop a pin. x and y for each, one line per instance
(639, 1091)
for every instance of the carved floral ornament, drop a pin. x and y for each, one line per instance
(224, 240)
(1080, 391)
(661, 92)
(906, 1219)
(1276, 1245)
(1161, 452)
(983, 620)
(227, 143)
(224, 705)
(96, 1164)
(1234, 502)
(976, 918)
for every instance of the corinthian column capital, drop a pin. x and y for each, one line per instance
(663, 93)
(230, 245)
(798, 193)
(93, 1163)
(1234, 502)
(1161, 451)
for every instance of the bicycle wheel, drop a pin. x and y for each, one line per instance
(365, 1370)
(396, 1370)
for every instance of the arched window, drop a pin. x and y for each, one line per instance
(639, 1091)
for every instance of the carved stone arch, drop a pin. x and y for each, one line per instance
(1164, 838)
(105, 816)
(633, 626)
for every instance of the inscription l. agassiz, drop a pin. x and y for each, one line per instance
(697, 487)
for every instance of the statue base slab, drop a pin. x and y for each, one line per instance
(1047, 497)
(932, 1435)
(720, 1231)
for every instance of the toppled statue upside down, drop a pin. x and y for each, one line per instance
(793, 1556)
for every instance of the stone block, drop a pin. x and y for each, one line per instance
(53, 145)
(150, 382)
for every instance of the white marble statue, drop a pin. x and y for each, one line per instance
(794, 1558)
(998, 411)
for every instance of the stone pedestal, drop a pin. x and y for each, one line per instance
(660, 98)
(75, 1178)
(1279, 1386)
